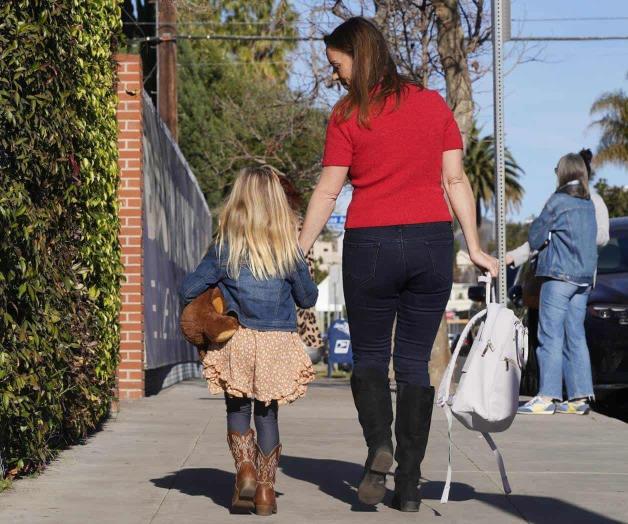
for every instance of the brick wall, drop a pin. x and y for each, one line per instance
(129, 114)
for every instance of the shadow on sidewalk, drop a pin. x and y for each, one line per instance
(214, 484)
(336, 478)
(531, 508)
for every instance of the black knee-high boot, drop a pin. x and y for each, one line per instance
(412, 428)
(371, 394)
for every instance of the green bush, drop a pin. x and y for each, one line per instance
(59, 254)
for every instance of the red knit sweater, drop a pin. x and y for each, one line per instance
(395, 166)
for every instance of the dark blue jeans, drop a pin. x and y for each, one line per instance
(403, 272)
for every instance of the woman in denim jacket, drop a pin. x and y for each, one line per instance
(565, 236)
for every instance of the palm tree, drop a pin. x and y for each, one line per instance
(613, 122)
(479, 164)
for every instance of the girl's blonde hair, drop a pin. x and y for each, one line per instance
(258, 225)
(573, 177)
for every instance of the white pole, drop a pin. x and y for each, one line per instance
(498, 112)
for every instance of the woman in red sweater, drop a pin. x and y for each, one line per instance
(402, 151)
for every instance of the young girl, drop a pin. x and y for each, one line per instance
(565, 235)
(261, 272)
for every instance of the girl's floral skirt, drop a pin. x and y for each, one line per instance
(265, 365)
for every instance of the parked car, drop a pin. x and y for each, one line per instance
(606, 322)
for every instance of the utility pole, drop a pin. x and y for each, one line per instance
(167, 64)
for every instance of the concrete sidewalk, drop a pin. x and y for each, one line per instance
(164, 459)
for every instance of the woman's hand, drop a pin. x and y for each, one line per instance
(485, 262)
(322, 203)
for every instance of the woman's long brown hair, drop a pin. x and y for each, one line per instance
(373, 67)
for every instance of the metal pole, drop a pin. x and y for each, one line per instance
(498, 113)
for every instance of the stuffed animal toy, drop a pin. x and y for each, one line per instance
(203, 321)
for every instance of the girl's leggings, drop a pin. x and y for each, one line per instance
(239, 419)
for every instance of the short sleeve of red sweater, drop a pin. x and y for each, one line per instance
(338, 146)
(452, 139)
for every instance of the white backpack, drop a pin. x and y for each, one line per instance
(487, 396)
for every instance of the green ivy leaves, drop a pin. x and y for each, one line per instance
(59, 254)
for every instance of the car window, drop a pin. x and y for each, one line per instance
(613, 257)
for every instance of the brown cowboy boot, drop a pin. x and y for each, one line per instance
(265, 500)
(243, 449)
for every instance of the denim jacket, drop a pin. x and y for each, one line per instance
(567, 225)
(264, 305)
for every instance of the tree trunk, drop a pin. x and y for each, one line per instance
(453, 57)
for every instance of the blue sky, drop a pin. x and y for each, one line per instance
(547, 101)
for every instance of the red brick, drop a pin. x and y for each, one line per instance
(132, 375)
(127, 77)
(131, 309)
(126, 325)
(129, 193)
(131, 174)
(130, 241)
(134, 353)
(132, 202)
(133, 251)
(128, 116)
(133, 317)
(131, 299)
(130, 105)
(131, 365)
(126, 212)
(131, 125)
(131, 183)
(130, 135)
(132, 260)
(131, 232)
(132, 288)
(131, 222)
(132, 66)
(131, 383)
(130, 155)
(131, 163)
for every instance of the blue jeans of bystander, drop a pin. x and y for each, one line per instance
(563, 351)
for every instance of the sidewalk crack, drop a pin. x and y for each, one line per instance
(181, 466)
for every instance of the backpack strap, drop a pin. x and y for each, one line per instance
(490, 290)
(449, 372)
(500, 462)
(489, 440)
(445, 496)
(444, 398)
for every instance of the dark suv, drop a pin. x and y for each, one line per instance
(606, 322)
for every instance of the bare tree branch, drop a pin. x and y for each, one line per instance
(340, 10)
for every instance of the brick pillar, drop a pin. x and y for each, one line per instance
(129, 115)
